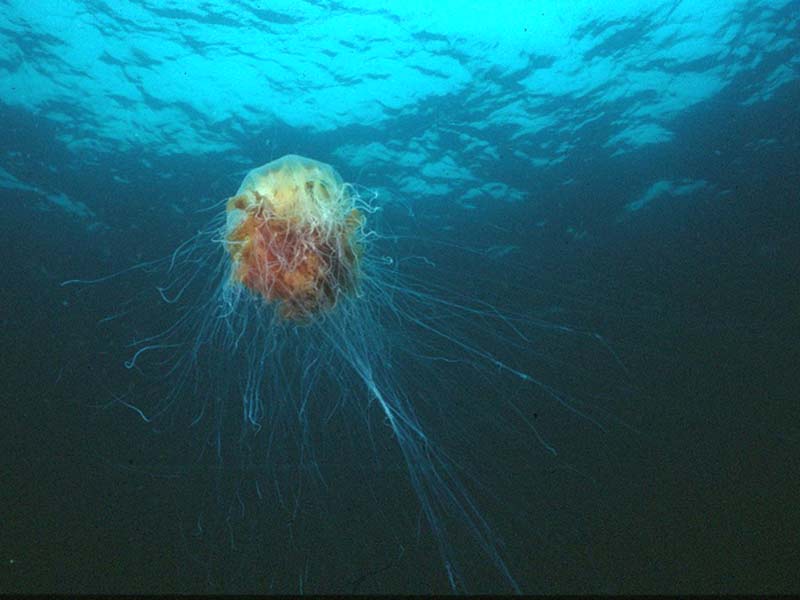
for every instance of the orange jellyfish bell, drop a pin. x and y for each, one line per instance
(293, 234)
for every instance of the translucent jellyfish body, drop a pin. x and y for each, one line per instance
(293, 234)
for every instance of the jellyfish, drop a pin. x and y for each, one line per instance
(292, 234)
(291, 330)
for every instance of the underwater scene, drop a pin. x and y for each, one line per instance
(355, 297)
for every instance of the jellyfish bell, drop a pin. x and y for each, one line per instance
(293, 234)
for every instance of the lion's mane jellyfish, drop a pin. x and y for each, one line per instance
(292, 232)
(296, 349)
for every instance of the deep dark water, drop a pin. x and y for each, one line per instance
(697, 295)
